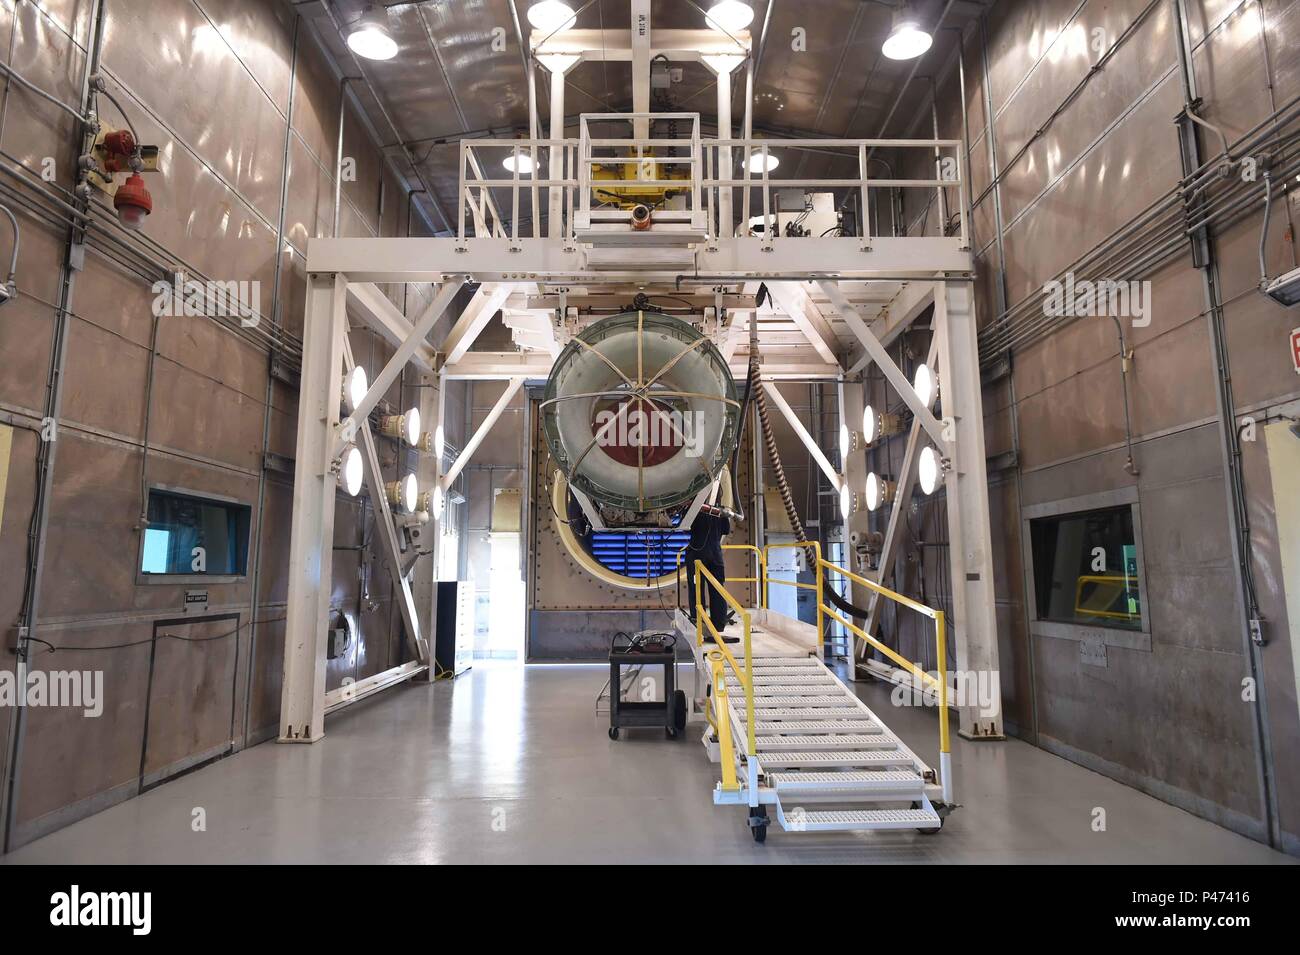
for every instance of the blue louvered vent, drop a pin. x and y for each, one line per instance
(639, 554)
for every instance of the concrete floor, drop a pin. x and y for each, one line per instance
(511, 764)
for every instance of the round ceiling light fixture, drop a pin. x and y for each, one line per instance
(729, 16)
(846, 499)
(869, 424)
(760, 163)
(525, 163)
(439, 442)
(907, 38)
(370, 37)
(437, 501)
(551, 16)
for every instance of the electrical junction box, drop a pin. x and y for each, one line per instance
(337, 643)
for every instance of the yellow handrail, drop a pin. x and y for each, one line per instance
(761, 579)
(722, 722)
(817, 586)
(940, 631)
(746, 676)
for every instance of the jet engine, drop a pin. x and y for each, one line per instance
(641, 415)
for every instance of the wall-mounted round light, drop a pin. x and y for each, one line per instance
(878, 491)
(351, 471)
(928, 468)
(437, 501)
(907, 38)
(404, 426)
(762, 162)
(869, 424)
(355, 386)
(370, 37)
(846, 499)
(846, 442)
(525, 163)
(404, 493)
(439, 442)
(551, 16)
(924, 384)
(729, 16)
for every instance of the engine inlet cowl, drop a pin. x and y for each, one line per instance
(640, 411)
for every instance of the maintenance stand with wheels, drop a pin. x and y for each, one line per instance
(646, 648)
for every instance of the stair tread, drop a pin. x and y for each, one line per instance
(817, 727)
(831, 757)
(889, 780)
(834, 712)
(831, 820)
(826, 741)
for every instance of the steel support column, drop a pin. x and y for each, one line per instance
(970, 552)
(302, 698)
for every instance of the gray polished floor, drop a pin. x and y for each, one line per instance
(511, 764)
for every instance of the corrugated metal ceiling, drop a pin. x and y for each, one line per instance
(449, 80)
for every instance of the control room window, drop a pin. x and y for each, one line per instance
(1085, 568)
(190, 535)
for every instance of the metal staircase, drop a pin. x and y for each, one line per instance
(787, 733)
(818, 745)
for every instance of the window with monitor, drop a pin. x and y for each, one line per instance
(193, 535)
(1086, 565)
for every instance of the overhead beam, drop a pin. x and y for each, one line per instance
(487, 301)
(419, 332)
(898, 315)
(495, 365)
(801, 309)
(378, 313)
(779, 400)
(483, 430)
(485, 259)
(897, 380)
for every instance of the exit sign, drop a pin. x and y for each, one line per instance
(1295, 349)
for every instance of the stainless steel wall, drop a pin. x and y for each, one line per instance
(1170, 720)
(245, 109)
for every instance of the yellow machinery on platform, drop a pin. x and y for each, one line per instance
(805, 735)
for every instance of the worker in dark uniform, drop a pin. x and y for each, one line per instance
(711, 524)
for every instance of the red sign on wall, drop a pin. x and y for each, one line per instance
(1295, 349)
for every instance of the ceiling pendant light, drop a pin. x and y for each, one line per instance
(551, 16)
(729, 16)
(370, 37)
(525, 163)
(907, 38)
(760, 163)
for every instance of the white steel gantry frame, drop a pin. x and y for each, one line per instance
(536, 284)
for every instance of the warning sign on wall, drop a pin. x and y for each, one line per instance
(1295, 349)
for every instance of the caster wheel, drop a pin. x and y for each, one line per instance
(679, 710)
(928, 832)
(758, 824)
(613, 732)
(671, 732)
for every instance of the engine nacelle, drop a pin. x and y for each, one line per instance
(641, 414)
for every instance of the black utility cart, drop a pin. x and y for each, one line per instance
(648, 648)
